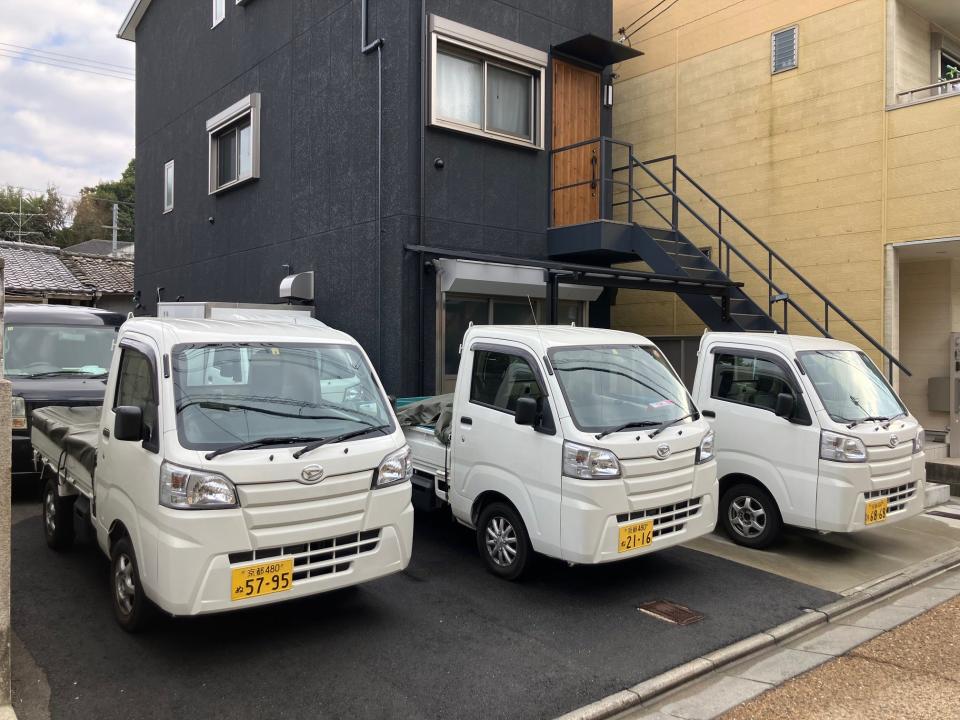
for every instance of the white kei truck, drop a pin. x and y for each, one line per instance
(577, 443)
(243, 455)
(808, 433)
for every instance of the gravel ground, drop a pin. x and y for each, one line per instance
(911, 672)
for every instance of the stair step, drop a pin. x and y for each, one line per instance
(703, 273)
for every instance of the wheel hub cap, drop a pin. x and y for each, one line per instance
(501, 541)
(123, 583)
(747, 516)
(50, 512)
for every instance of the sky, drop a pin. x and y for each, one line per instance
(59, 126)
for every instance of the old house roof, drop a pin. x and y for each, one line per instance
(101, 247)
(42, 269)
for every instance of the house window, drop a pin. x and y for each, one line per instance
(783, 49)
(948, 61)
(485, 85)
(219, 12)
(235, 144)
(168, 187)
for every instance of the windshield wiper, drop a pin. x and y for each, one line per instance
(338, 438)
(631, 424)
(867, 417)
(262, 442)
(54, 373)
(216, 405)
(663, 426)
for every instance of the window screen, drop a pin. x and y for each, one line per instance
(136, 387)
(783, 50)
(499, 379)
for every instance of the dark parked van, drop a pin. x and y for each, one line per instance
(53, 355)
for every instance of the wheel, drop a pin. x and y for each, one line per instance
(130, 606)
(57, 517)
(503, 541)
(750, 516)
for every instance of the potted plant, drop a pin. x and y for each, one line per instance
(952, 75)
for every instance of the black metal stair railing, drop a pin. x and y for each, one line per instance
(613, 186)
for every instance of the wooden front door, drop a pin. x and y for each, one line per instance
(576, 117)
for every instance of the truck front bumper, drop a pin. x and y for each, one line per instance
(591, 530)
(193, 578)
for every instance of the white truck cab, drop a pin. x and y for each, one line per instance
(235, 462)
(808, 433)
(578, 443)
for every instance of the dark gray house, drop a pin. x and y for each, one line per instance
(278, 136)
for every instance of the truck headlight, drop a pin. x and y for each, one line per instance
(18, 413)
(919, 441)
(395, 468)
(842, 448)
(589, 463)
(705, 451)
(188, 489)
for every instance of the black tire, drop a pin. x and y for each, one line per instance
(133, 610)
(503, 541)
(750, 516)
(57, 516)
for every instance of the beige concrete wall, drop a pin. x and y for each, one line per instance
(797, 156)
(925, 325)
(911, 49)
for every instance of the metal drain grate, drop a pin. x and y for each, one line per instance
(670, 612)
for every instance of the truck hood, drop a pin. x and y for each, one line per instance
(637, 443)
(873, 434)
(59, 390)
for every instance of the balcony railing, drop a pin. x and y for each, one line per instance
(937, 89)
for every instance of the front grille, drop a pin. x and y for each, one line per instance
(897, 497)
(320, 557)
(668, 519)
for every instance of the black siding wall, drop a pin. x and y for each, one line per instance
(314, 206)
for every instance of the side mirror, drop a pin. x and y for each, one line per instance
(784, 406)
(526, 411)
(128, 423)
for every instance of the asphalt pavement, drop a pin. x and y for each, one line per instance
(444, 639)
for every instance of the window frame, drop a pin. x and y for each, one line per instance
(801, 413)
(452, 38)
(169, 174)
(221, 123)
(152, 444)
(220, 5)
(795, 29)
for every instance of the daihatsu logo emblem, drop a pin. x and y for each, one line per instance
(663, 451)
(311, 474)
(894, 440)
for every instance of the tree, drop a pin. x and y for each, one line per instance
(32, 218)
(92, 210)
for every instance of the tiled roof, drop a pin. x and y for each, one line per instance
(106, 274)
(99, 247)
(32, 268)
(36, 269)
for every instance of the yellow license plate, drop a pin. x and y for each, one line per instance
(635, 535)
(876, 511)
(261, 579)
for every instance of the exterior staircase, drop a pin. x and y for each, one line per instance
(642, 208)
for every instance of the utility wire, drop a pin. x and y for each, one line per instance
(73, 58)
(68, 195)
(25, 58)
(641, 27)
(624, 29)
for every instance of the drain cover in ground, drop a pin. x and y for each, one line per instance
(670, 612)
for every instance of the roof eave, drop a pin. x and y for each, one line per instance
(128, 30)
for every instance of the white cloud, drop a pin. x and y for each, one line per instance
(56, 125)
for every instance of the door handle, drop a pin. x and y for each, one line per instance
(105, 433)
(466, 420)
(593, 171)
(708, 413)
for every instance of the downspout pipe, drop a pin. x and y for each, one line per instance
(421, 323)
(366, 48)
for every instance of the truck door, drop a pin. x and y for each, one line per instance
(128, 472)
(492, 453)
(738, 397)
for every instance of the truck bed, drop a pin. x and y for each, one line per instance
(67, 438)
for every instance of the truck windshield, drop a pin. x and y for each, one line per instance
(227, 394)
(51, 350)
(609, 386)
(850, 386)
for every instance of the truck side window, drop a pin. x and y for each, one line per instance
(500, 378)
(749, 380)
(136, 386)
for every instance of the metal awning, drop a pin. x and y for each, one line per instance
(596, 50)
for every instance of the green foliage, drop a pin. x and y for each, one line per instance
(41, 218)
(953, 73)
(92, 211)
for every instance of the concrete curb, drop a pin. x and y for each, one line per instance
(648, 690)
